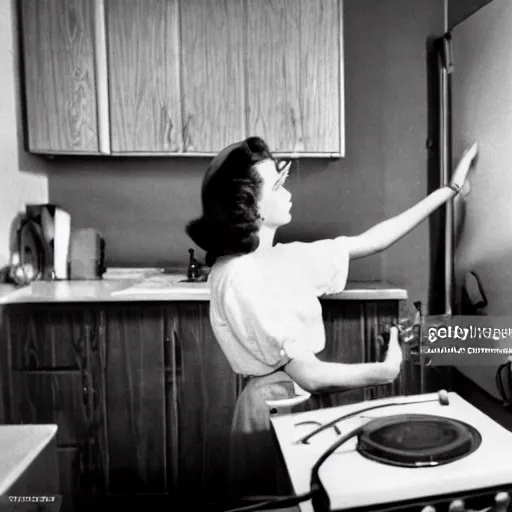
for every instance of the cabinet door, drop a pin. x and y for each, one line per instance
(57, 397)
(50, 380)
(202, 399)
(135, 405)
(212, 56)
(60, 80)
(144, 75)
(294, 74)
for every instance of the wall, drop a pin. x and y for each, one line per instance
(142, 205)
(19, 184)
(481, 84)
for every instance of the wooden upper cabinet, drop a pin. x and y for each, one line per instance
(212, 57)
(322, 80)
(175, 77)
(273, 73)
(294, 74)
(144, 75)
(60, 80)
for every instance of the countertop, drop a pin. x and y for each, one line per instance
(19, 446)
(135, 290)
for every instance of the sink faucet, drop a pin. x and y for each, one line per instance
(193, 266)
(196, 271)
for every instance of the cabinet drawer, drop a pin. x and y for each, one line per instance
(48, 337)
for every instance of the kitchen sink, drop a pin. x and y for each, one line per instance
(197, 281)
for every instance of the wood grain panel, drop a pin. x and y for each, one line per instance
(212, 44)
(344, 331)
(206, 396)
(378, 318)
(135, 399)
(57, 397)
(142, 41)
(71, 480)
(60, 88)
(321, 75)
(274, 78)
(96, 448)
(46, 337)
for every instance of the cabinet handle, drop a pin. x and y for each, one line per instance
(168, 134)
(85, 397)
(168, 361)
(177, 354)
(85, 392)
(186, 134)
(295, 120)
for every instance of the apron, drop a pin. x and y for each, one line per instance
(256, 466)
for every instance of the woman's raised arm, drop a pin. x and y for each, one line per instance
(386, 233)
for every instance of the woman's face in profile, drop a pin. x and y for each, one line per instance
(275, 200)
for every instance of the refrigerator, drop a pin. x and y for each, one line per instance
(476, 105)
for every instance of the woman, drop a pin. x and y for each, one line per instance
(264, 306)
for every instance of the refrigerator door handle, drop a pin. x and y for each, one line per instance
(447, 53)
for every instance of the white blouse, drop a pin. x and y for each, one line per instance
(264, 306)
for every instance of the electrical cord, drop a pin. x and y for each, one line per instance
(313, 422)
(442, 398)
(320, 499)
(277, 502)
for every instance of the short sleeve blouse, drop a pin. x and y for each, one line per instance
(264, 306)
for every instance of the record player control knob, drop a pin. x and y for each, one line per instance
(456, 506)
(501, 502)
(442, 396)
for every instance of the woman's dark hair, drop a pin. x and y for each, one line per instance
(230, 191)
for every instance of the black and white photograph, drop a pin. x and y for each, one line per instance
(256, 255)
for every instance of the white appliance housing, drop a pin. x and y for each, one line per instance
(353, 481)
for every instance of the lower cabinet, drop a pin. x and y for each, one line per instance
(49, 369)
(201, 398)
(352, 330)
(143, 395)
(134, 378)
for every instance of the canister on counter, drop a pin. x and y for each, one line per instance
(87, 254)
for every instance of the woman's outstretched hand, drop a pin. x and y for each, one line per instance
(464, 166)
(394, 357)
